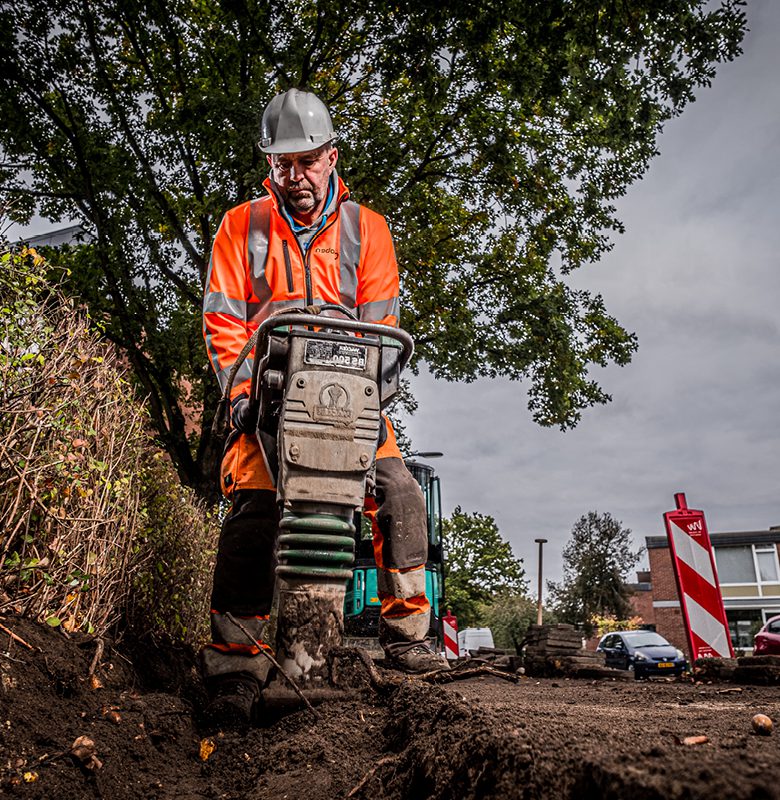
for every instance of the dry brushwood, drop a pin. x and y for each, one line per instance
(78, 545)
(16, 637)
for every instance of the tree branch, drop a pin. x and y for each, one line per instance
(143, 162)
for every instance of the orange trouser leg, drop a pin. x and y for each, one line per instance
(399, 524)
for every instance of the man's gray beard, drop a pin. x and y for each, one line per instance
(303, 204)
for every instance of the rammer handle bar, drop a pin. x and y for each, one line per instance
(338, 323)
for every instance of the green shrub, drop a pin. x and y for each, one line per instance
(96, 531)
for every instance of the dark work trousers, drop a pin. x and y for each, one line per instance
(244, 573)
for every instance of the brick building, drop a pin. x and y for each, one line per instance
(642, 598)
(749, 575)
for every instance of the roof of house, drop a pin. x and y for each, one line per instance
(73, 234)
(771, 536)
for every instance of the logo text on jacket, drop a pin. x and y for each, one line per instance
(327, 251)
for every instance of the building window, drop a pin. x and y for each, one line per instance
(766, 560)
(735, 564)
(747, 564)
(744, 624)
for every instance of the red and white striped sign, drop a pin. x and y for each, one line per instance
(450, 630)
(697, 582)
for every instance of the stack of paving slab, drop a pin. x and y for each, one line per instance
(761, 670)
(758, 670)
(714, 669)
(505, 660)
(556, 651)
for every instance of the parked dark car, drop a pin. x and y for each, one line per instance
(767, 641)
(646, 653)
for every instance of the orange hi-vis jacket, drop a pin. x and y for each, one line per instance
(257, 267)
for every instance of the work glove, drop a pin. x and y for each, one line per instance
(243, 416)
(382, 433)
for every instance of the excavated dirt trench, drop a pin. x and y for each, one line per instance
(480, 738)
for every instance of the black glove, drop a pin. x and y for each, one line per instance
(382, 433)
(243, 416)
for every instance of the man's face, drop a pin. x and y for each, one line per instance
(303, 178)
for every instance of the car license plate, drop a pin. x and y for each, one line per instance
(665, 664)
(336, 354)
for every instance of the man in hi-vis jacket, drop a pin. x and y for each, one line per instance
(304, 243)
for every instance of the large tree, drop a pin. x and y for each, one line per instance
(596, 563)
(495, 137)
(479, 565)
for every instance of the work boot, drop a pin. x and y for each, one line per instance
(414, 657)
(234, 697)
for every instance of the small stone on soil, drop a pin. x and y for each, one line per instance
(762, 725)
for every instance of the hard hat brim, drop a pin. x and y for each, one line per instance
(294, 145)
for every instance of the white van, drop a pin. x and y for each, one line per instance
(473, 639)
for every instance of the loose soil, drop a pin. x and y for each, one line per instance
(478, 738)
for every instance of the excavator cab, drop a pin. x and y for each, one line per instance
(361, 606)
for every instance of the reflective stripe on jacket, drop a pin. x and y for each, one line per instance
(258, 267)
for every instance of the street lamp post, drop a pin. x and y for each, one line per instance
(541, 543)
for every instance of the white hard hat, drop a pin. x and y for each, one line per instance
(295, 122)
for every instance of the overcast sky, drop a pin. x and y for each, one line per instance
(696, 276)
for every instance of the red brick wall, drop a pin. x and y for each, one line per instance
(668, 621)
(642, 606)
(664, 584)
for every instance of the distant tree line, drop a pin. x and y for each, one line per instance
(486, 585)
